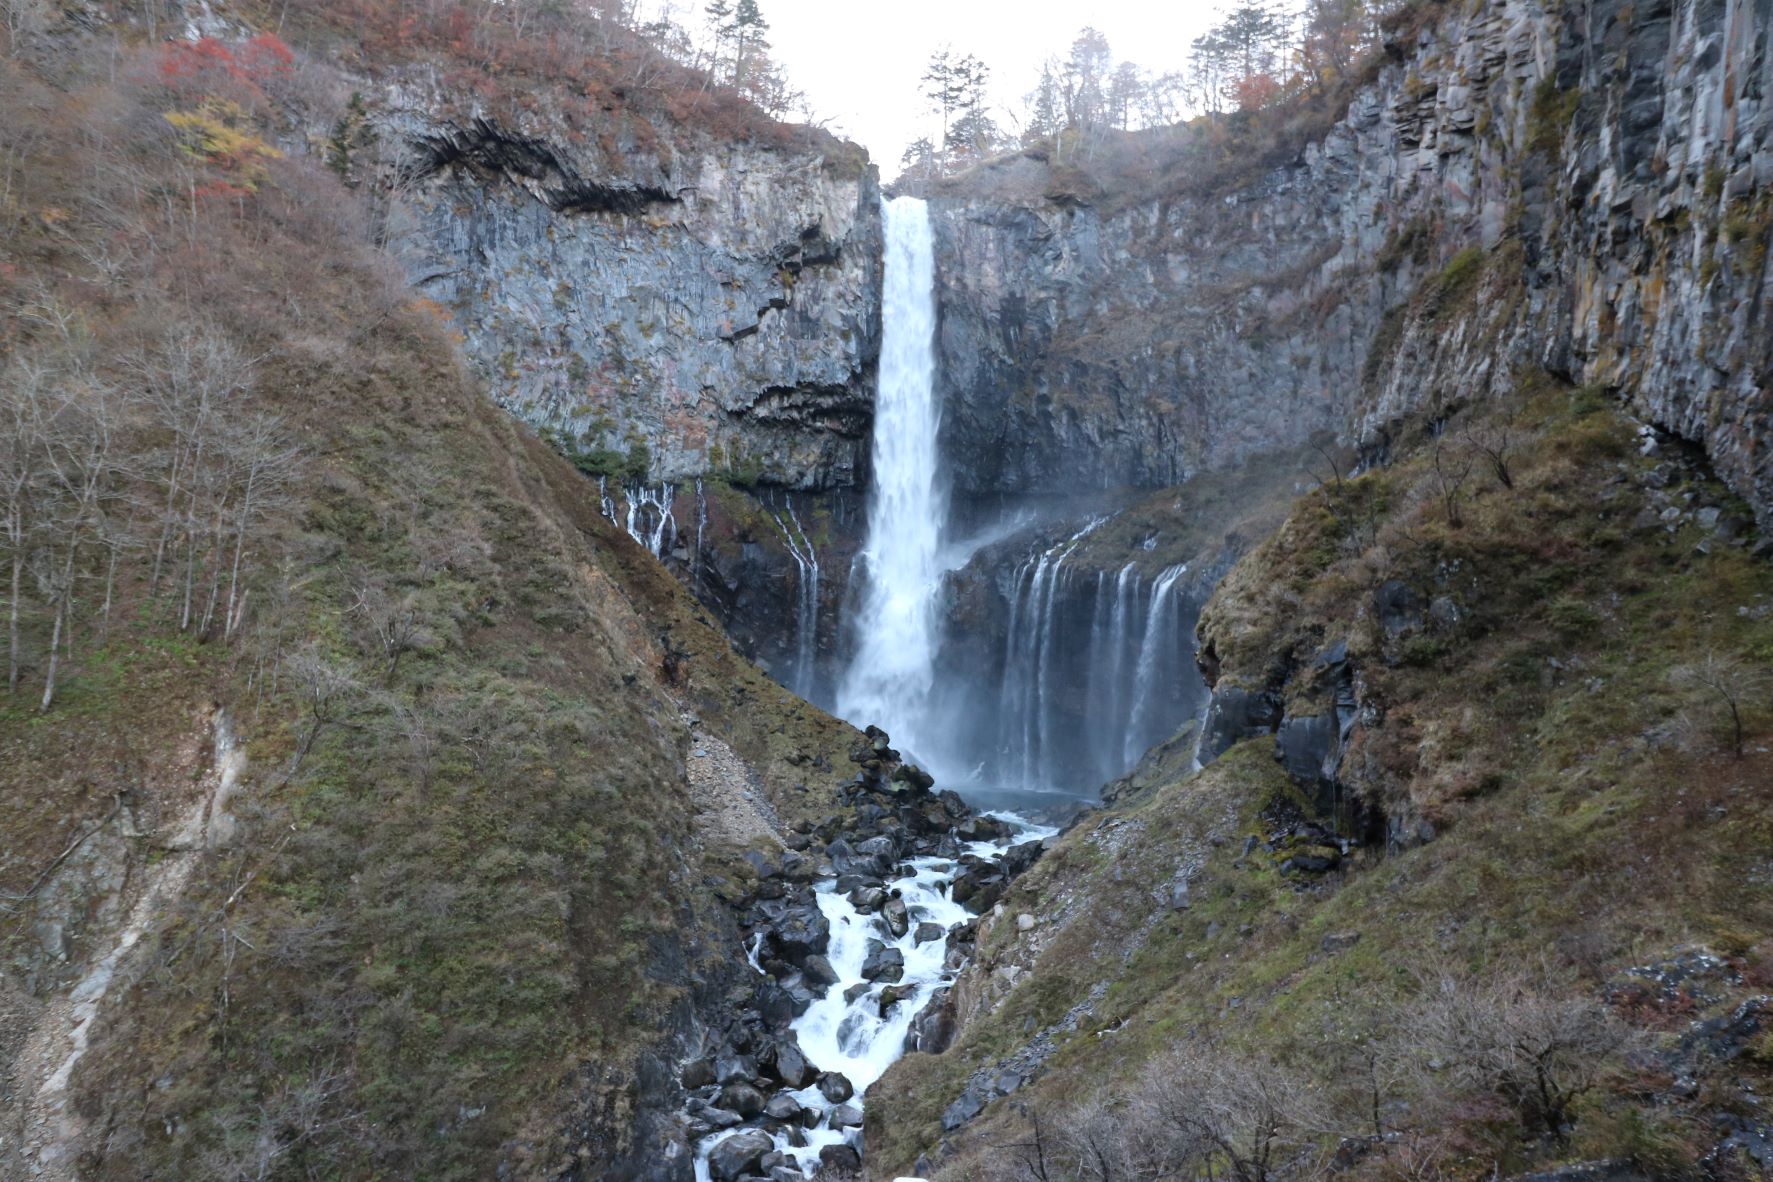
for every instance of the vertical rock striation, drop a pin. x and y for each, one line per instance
(1615, 156)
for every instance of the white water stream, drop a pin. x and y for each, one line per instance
(855, 1038)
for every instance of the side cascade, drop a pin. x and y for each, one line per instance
(806, 613)
(1097, 668)
(645, 514)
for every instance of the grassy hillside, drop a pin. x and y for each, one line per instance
(460, 900)
(1208, 976)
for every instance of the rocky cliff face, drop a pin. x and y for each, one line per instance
(1623, 149)
(668, 309)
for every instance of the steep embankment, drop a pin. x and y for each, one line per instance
(1487, 807)
(1198, 294)
(452, 900)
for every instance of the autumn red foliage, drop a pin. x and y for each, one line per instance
(201, 64)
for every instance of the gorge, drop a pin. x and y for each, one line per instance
(564, 627)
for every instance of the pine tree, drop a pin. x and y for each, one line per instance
(748, 28)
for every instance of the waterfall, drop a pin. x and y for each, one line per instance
(806, 613)
(1160, 638)
(897, 628)
(646, 515)
(1026, 702)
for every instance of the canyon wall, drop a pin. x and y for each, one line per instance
(667, 308)
(1135, 321)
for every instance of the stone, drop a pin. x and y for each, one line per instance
(840, 1158)
(698, 1073)
(719, 1118)
(897, 919)
(932, 1030)
(926, 932)
(1024, 922)
(783, 1107)
(734, 1069)
(835, 1087)
(818, 970)
(1340, 941)
(1398, 608)
(738, 1155)
(965, 1108)
(775, 1005)
(845, 1116)
(743, 1099)
(788, 1064)
(892, 995)
(867, 900)
(884, 964)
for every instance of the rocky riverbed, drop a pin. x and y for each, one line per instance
(855, 931)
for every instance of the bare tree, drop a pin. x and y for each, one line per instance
(25, 388)
(330, 690)
(1536, 1049)
(1732, 681)
(80, 471)
(190, 379)
(1452, 469)
(392, 622)
(1251, 1113)
(1494, 440)
(263, 462)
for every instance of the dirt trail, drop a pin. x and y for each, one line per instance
(40, 1139)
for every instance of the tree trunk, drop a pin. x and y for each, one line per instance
(54, 658)
(18, 570)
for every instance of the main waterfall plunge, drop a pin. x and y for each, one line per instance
(897, 629)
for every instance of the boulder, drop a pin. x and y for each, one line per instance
(739, 1154)
(734, 1069)
(965, 1108)
(897, 919)
(932, 1031)
(794, 930)
(784, 1108)
(845, 1116)
(927, 932)
(835, 1087)
(698, 1073)
(884, 964)
(867, 900)
(743, 1099)
(1019, 858)
(1398, 608)
(892, 995)
(775, 1005)
(818, 971)
(788, 1064)
(719, 1118)
(842, 1158)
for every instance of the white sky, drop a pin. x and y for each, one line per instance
(860, 63)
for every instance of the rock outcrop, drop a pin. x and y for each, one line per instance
(1614, 156)
(665, 310)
